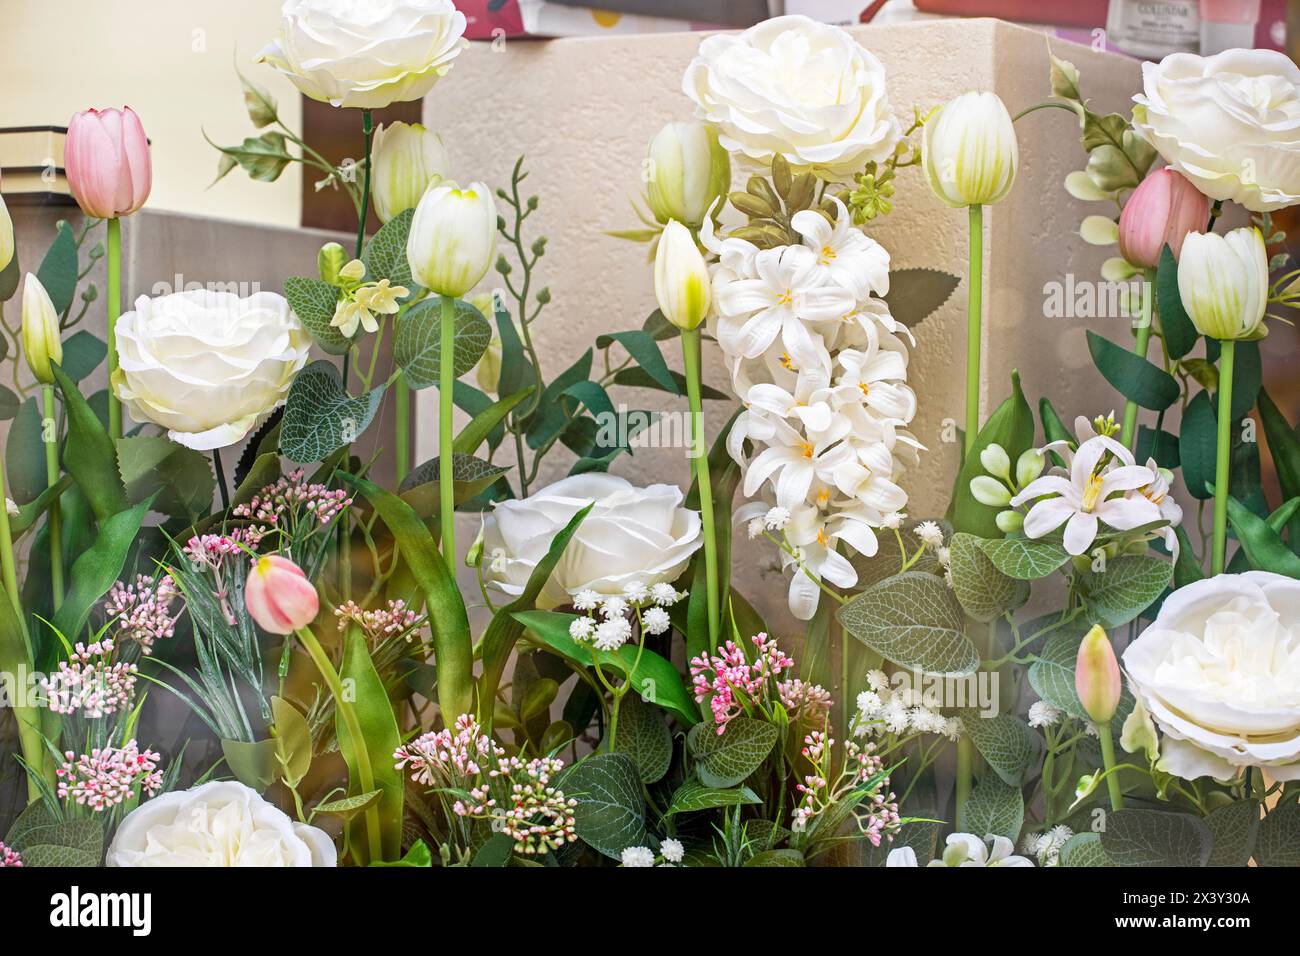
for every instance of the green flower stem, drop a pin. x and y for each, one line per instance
(700, 465)
(56, 510)
(965, 772)
(1108, 761)
(365, 772)
(114, 310)
(402, 427)
(974, 311)
(446, 382)
(368, 129)
(1128, 431)
(219, 472)
(1222, 457)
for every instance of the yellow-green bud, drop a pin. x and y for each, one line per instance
(41, 343)
(330, 261)
(995, 461)
(1029, 466)
(687, 170)
(681, 278)
(987, 490)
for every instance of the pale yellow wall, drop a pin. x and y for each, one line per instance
(172, 61)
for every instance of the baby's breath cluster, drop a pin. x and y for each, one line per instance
(607, 621)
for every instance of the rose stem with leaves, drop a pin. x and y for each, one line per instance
(446, 382)
(1223, 450)
(1128, 431)
(703, 482)
(56, 511)
(365, 772)
(114, 310)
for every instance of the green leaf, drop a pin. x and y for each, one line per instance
(644, 738)
(645, 352)
(981, 588)
(180, 478)
(262, 157)
(320, 417)
(292, 741)
(1133, 376)
(314, 301)
(25, 454)
(1155, 838)
(82, 353)
(1179, 332)
(1235, 828)
(9, 403)
(1158, 444)
(693, 796)
(252, 763)
(1197, 442)
(550, 416)
(417, 349)
(1010, 746)
(1084, 849)
(385, 254)
(912, 620)
(417, 855)
(469, 475)
(45, 840)
(1012, 426)
(349, 807)
(916, 293)
(380, 737)
(726, 759)
(89, 455)
(58, 271)
(783, 857)
(480, 427)
(1279, 837)
(1284, 445)
(1024, 558)
(1247, 377)
(1128, 586)
(1264, 548)
(610, 813)
(995, 807)
(495, 851)
(634, 376)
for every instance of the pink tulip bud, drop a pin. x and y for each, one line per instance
(279, 596)
(1096, 676)
(106, 157)
(1162, 210)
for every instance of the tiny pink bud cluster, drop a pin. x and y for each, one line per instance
(107, 776)
(90, 682)
(720, 678)
(142, 612)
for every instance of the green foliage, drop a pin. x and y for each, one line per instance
(1012, 426)
(1024, 558)
(320, 416)
(915, 294)
(611, 811)
(1127, 586)
(1137, 837)
(417, 349)
(694, 797)
(995, 807)
(1133, 376)
(1235, 827)
(983, 591)
(1011, 747)
(385, 254)
(314, 301)
(644, 738)
(726, 759)
(45, 839)
(914, 621)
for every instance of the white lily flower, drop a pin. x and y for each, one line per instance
(845, 254)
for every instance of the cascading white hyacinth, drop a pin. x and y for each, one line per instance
(821, 368)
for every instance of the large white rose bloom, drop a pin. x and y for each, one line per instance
(1230, 123)
(207, 366)
(1219, 671)
(366, 54)
(223, 823)
(793, 86)
(632, 536)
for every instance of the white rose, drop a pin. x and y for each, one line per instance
(1219, 671)
(632, 535)
(793, 86)
(366, 55)
(1230, 123)
(207, 366)
(223, 823)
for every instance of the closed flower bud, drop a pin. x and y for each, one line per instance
(6, 236)
(995, 461)
(681, 278)
(106, 157)
(1096, 676)
(408, 159)
(987, 490)
(453, 238)
(1162, 211)
(1223, 282)
(278, 595)
(1009, 522)
(970, 152)
(41, 343)
(1029, 466)
(688, 171)
(330, 261)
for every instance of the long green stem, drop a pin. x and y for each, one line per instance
(1108, 761)
(368, 129)
(56, 510)
(446, 382)
(974, 310)
(1222, 458)
(1127, 433)
(114, 310)
(343, 707)
(402, 428)
(703, 482)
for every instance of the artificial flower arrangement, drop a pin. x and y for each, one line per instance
(625, 704)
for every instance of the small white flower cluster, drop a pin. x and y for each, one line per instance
(1047, 846)
(671, 853)
(885, 710)
(821, 367)
(607, 625)
(1043, 714)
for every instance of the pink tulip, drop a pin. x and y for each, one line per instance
(106, 157)
(1162, 210)
(1096, 676)
(279, 596)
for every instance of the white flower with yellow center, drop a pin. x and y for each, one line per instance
(844, 254)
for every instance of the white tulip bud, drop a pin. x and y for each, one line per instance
(453, 238)
(687, 171)
(407, 159)
(989, 491)
(41, 342)
(1029, 466)
(1009, 522)
(969, 150)
(1223, 282)
(681, 277)
(6, 236)
(996, 462)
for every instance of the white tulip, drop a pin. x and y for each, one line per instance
(6, 236)
(218, 824)
(407, 160)
(688, 172)
(207, 366)
(970, 152)
(453, 238)
(366, 55)
(1223, 282)
(41, 343)
(681, 278)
